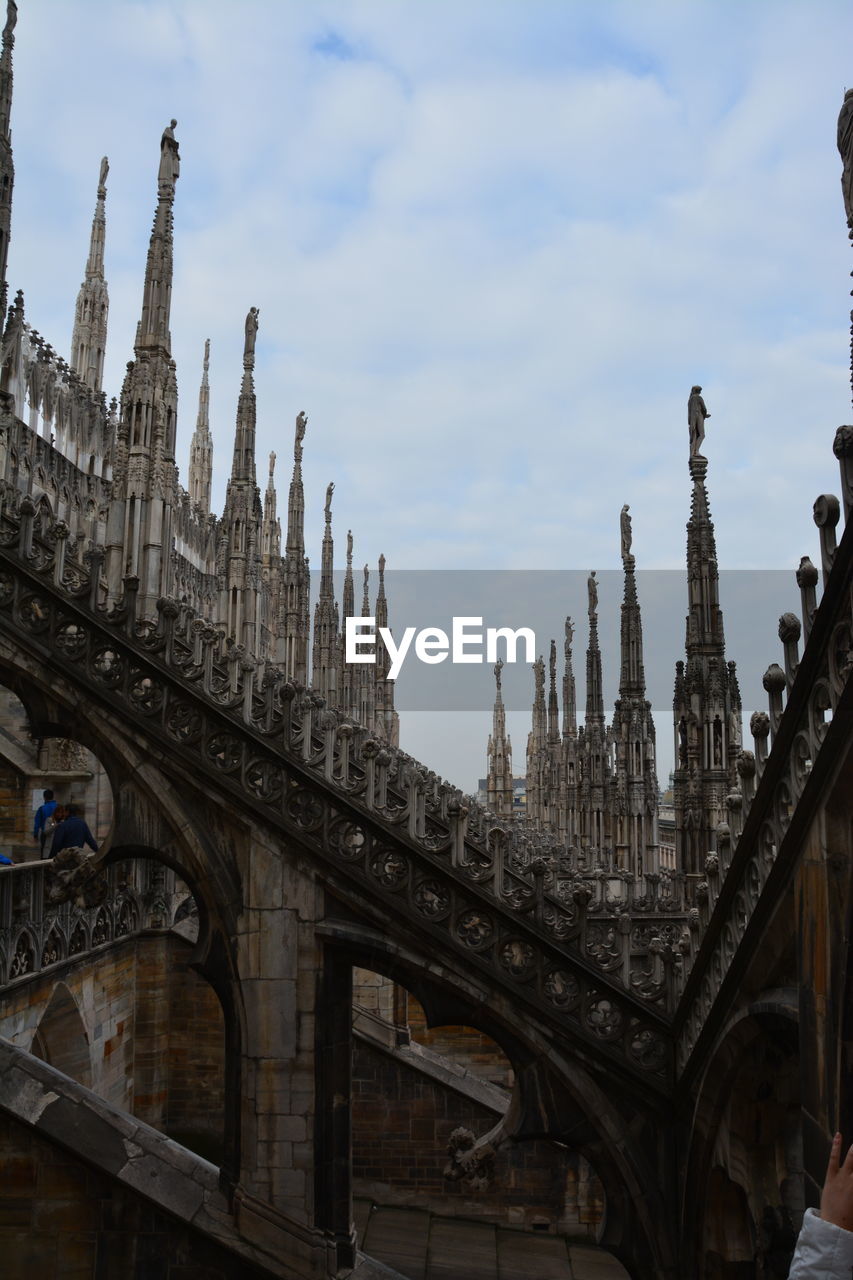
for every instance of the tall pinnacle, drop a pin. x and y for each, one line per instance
(553, 705)
(499, 757)
(328, 551)
(594, 693)
(632, 678)
(243, 465)
(349, 589)
(296, 497)
(7, 168)
(570, 719)
(89, 336)
(705, 618)
(152, 332)
(201, 448)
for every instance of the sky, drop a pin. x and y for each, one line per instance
(493, 244)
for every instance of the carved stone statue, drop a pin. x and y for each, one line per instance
(328, 508)
(845, 147)
(696, 415)
(272, 464)
(105, 168)
(301, 424)
(170, 161)
(539, 677)
(498, 667)
(251, 334)
(11, 23)
(570, 633)
(349, 546)
(625, 531)
(592, 591)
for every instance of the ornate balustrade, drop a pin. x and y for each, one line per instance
(36, 935)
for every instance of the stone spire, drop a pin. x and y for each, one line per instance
(499, 757)
(635, 791)
(271, 541)
(7, 168)
(153, 333)
(201, 448)
(570, 716)
(386, 722)
(326, 651)
(243, 465)
(594, 693)
(553, 705)
(89, 336)
(295, 625)
(349, 589)
(140, 524)
(632, 677)
(350, 672)
(537, 749)
(241, 532)
(706, 706)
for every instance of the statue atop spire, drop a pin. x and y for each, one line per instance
(696, 415)
(7, 168)
(102, 177)
(349, 548)
(251, 335)
(301, 424)
(498, 667)
(330, 489)
(170, 160)
(272, 466)
(845, 147)
(592, 592)
(625, 531)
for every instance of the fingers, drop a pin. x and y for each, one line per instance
(834, 1157)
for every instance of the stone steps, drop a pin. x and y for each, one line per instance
(423, 1246)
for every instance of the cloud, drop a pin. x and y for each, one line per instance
(492, 245)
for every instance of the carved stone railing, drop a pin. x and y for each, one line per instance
(808, 723)
(36, 935)
(371, 816)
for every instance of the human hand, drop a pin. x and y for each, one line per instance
(836, 1198)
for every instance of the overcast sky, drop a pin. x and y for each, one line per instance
(493, 244)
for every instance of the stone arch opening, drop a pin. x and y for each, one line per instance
(60, 1038)
(33, 761)
(425, 1097)
(746, 1166)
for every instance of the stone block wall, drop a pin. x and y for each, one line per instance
(61, 1219)
(402, 1120)
(149, 1027)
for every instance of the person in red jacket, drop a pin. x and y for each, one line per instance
(825, 1246)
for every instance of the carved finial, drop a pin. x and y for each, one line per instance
(349, 546)
(206, 365)
(696, 415)
(366, 589)
(102, 177)
(381, 569)
(498, 667)
(329, 491)
(272, 465)
(251, 329)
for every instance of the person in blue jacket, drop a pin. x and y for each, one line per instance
(72, 833)
(825, 1245)
(43, 815)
